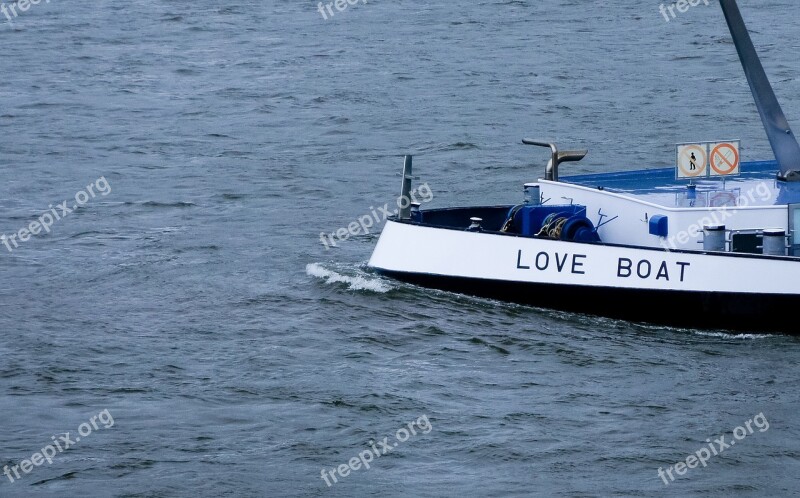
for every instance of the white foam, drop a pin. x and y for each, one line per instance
(730, 335)
(357, 282)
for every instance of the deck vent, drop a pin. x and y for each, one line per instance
(775, 242)
(714, 237)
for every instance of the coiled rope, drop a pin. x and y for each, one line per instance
(552, 226)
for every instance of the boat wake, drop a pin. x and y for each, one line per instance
(358, 280)
(733, 335)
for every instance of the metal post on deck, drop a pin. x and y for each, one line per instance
(405, 191)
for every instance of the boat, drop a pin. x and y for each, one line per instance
(712, 243)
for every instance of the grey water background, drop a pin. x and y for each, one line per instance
(239, 357)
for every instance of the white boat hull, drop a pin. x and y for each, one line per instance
(685, 288)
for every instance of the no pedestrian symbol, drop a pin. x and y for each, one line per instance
(692, 161)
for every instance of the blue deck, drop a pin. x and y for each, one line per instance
(757, 185)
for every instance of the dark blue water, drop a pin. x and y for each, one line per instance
(239, 357)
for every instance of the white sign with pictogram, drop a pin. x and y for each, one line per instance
(724, 158)
(705, 159)
(692, 160)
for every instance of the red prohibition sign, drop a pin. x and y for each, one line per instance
(701, 169)
(717, 156)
